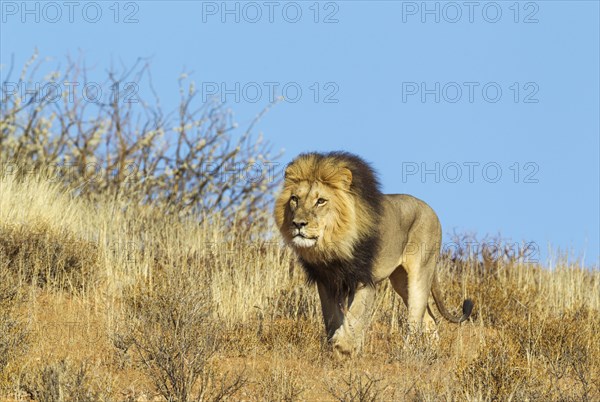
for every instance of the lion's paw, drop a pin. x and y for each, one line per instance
(342, 348)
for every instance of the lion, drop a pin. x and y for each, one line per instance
(349, 237)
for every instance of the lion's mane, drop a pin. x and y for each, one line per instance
(346, 259)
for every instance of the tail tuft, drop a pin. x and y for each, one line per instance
(467, 310)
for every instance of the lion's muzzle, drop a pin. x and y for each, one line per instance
(301, 239)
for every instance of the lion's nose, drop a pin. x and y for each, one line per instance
(299, 223)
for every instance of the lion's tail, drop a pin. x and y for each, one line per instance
(467, 307)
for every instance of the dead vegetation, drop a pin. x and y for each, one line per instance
(103, 297)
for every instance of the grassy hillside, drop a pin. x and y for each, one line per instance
(105, 302)
(119, 281)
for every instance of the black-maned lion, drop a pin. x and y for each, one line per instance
(349, 236)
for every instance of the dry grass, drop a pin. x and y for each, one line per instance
(101, 302)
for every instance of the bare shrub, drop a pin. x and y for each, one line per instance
(60, 381)
(187, 161)
(486, 255)
(174, 337)
(359, 387)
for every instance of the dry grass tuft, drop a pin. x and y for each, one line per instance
(14, 334)
(43, 257)
(280, 383)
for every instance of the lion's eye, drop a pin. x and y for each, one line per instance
(293, 199)
(321, 201)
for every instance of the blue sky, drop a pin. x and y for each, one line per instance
(496, 102)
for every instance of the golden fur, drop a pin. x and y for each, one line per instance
(349, 237)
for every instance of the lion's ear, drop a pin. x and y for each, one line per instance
(290, 173)
(345, 176)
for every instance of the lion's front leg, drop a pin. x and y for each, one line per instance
(332, 311)
(346, 325)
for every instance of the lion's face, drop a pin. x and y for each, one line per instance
(311, 213)
(316, 212)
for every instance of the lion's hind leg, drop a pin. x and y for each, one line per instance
(414, 290)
